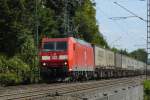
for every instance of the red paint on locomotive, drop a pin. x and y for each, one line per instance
(75, 54)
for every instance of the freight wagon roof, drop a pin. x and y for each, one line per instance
(83, 42)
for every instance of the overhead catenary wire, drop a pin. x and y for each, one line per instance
(114, 19)
(130, 12)
(120, 18)
(119, 27)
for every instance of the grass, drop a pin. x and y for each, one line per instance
(146, 97)
(147, 87)
(147, 90)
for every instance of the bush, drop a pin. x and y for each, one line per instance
(17, 64)
(13, 71)
(29, 56)
(9, 79)
(3, 64)
(147, 87)
(146, 97)
(23, 67)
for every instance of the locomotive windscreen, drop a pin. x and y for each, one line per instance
(55, 46)
(61, 46)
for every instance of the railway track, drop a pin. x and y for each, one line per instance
(64, 89)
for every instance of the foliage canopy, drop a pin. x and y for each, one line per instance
(18, 20)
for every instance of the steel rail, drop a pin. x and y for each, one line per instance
(64, 89)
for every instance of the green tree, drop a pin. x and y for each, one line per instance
(86, 22)
(82, 21)
(18, 21)
(139, 54)
(17, 27)
(124, 52)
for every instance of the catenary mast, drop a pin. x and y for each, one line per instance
(148, 35)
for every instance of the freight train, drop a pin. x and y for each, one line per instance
(76, 59)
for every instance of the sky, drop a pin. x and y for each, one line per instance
(130, 33)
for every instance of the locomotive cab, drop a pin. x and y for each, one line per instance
(66, 58)
(54, 57)
(54, 54)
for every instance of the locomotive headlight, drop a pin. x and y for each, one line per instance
(65, 63)
(70, 69)
(45, 57)
(44, 64)
(63, 57)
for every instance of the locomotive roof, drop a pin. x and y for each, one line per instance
(82, 42)
(53, 39)
(60, 39)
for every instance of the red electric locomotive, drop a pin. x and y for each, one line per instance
(66, 57)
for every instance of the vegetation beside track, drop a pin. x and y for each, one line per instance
(147, 90)
(18, 20)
